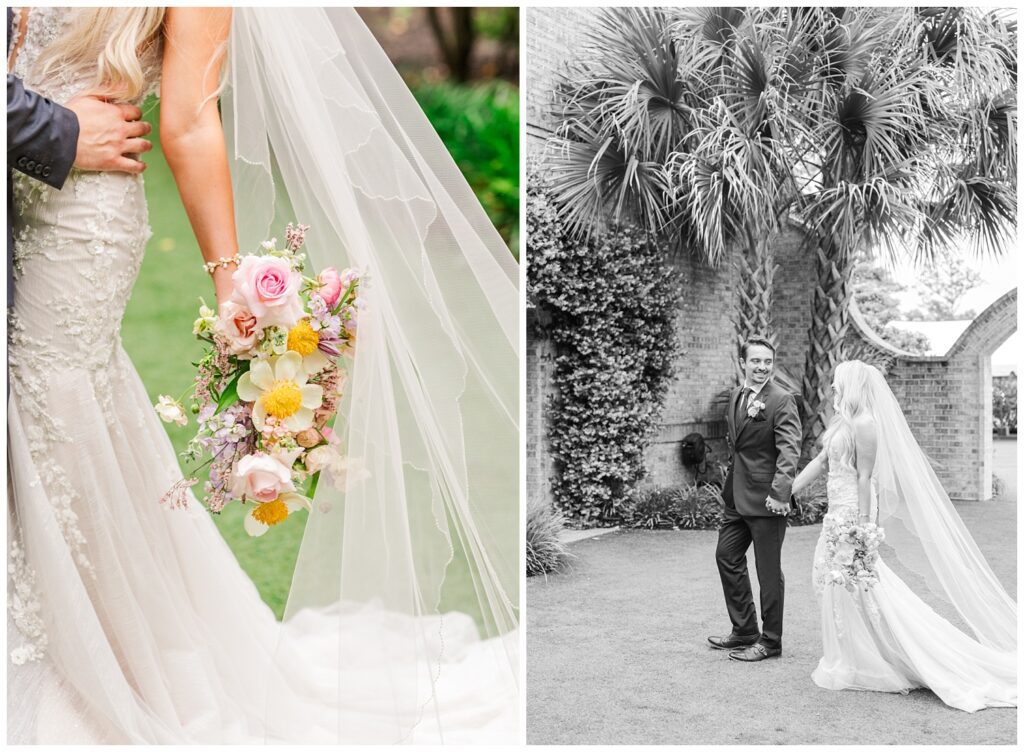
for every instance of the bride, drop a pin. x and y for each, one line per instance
(130, 622)
(882, 636)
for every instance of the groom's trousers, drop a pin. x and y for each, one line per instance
(734, 538)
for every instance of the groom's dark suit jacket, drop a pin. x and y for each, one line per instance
(42, 139)
(765, 450)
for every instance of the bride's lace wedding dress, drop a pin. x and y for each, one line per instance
(887, 639)
(128, 621)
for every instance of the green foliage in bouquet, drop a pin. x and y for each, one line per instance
(479, 125)
(610, 303)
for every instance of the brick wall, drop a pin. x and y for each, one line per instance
(553, 35)
(947, 400)
(540, 354)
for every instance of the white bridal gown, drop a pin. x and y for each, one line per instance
(889, 640)
(131, 622)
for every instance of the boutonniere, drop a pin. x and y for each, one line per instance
(755, 408)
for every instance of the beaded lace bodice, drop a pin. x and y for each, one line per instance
(841, 482)
(78, 249)
(77, 254)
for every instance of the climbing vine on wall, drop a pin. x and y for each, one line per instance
(609, 305)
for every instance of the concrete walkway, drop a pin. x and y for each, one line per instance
(616, 651)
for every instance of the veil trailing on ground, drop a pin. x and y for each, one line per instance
(425, 520)
(926, 533)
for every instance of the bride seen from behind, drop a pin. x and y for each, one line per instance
(877, 633)
(132, 622)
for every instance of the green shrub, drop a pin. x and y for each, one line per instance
(998, 488)
(700, 507)
(695, 506)
(811, 506)
(610, 306)
(652, 508)
(479, 125)
(545, 550)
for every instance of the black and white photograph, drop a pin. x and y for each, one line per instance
(771, 375)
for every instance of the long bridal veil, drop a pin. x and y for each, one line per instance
(925, 532)
(412, 551)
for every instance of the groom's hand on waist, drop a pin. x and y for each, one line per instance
(109, 135)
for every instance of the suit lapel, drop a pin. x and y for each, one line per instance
(761, 396)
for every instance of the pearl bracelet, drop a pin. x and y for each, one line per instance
(223, 263)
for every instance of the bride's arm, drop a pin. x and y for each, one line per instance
(190, 130)
(813, 469)
(866, 439)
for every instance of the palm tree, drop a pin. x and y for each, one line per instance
(911, 151)
(675, 132)
(623, 111)
(890, 130)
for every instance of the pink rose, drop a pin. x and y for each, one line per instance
(330, 289)
(269, 288)
(261, 477)
(308, 438)
(237, 326)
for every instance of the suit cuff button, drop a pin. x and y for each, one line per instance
(47, 171)
(22, 161)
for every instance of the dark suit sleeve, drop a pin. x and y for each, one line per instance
(788, 433)
(42, 137)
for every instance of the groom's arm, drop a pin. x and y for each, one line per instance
(42, 136)
(787, 442)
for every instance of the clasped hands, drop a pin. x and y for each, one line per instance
(776, 507)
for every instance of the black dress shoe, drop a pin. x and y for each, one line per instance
(733, 641)
(756, 652)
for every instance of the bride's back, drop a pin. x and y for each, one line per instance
(63, 52)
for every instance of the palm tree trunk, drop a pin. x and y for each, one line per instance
(827, 334)
(756, 266)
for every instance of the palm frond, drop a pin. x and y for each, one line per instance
(975, 209)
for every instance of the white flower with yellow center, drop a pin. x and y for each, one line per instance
(305, 341)
(265, 515)
(277, 386)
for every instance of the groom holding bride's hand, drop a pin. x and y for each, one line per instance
(764, 438)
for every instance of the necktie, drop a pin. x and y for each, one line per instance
(741, 405)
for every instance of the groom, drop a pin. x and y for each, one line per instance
(764, 436)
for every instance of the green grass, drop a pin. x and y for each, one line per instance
(157, 334)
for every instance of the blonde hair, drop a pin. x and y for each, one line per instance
(111, 41)
(852, 397)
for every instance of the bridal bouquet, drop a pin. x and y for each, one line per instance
(852, 551)
(269, 384)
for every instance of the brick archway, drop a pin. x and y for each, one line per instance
(948, 398)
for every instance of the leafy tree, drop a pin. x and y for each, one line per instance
(942, 287)
(877, 295)
(1004, 404)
